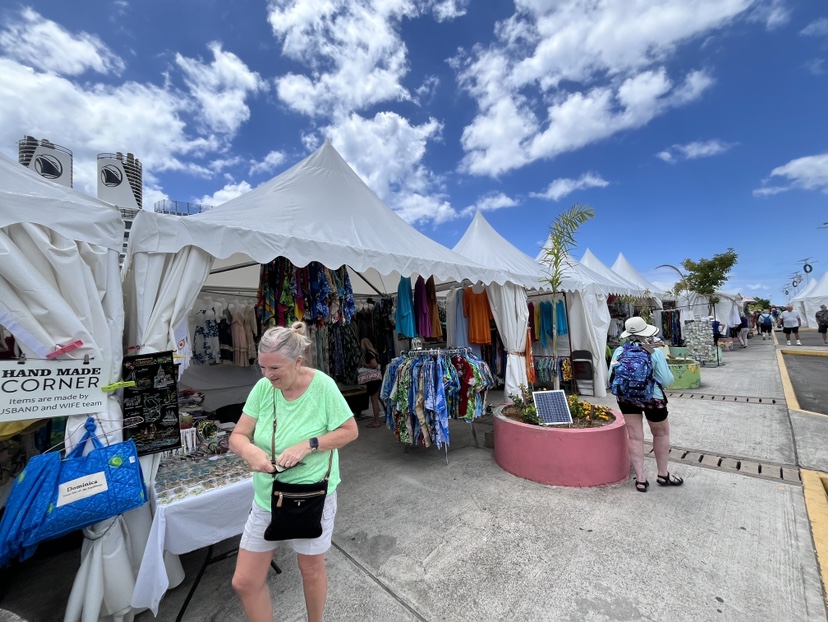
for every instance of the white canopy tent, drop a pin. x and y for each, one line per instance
(625, 287)
(318, 210)
(626, 270)
(482, 244)
(810, 300)
(60, 283)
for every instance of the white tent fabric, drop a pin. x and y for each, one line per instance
(805, 291)
(809, 304)
(482, 244)
(60, 283)
(626, 270)
(577, 277)
(624, 287)
(318, 210)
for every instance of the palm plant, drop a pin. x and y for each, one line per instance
(557, 252)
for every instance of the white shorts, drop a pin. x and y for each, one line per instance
(258, 520)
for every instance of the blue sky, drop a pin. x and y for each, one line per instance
(689, 126)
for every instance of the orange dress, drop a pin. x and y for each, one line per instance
(476, 308)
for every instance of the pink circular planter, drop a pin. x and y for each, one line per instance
(563, 456)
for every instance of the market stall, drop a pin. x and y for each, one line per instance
(60, 298)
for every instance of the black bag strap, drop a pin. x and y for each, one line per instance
(273, 445)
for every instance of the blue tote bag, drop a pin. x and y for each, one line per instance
(91, 488)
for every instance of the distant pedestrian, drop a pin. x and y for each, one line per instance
(790, 324)
(755, 321)
(743, 330)
(822, 323)
(637, 399)
(766, 324)
(775, 314)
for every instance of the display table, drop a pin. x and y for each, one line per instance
(197, 504)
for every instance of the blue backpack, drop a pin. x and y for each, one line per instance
(632, 377)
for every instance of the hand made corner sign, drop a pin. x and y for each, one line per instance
(40, 389)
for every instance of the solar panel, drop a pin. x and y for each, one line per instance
(552, 407)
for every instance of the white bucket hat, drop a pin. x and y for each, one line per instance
(637, 327)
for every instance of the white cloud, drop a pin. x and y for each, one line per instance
(230, 191)
(221, 88)
(563, 186)
(489, 203)
(45, 45)
(772, 13)
(425, 92)
(817, 28)
(268, 163)
(807, 173)
(760, 286)
(90, 119)
(152, 195)
(356, 58)
(446, 10)
(694, 150)
(814, 66)
(387, 152)
(599, 66)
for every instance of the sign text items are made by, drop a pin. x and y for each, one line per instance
(38, 389)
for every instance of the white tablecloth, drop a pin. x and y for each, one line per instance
(186, 525)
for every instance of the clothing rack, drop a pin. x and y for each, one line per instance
(447, 352)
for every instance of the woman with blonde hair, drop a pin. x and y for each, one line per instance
(298, 414)
(370, 359)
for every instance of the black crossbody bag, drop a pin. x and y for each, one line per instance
(295, 509)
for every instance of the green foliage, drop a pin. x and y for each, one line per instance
(759, 304)
(525, 404)
(705, 276)
(562, 241)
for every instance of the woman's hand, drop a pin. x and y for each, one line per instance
(293, 455)
(258, 460)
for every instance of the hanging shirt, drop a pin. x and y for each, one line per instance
(476, 309)
(461, 326)
(421, 310)
(434, 313)
(405, 309)
(560, 318)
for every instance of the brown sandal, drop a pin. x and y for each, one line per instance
(374, 424)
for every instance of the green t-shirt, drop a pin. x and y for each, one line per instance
(320, 409)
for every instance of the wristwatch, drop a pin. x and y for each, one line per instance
(314, 444)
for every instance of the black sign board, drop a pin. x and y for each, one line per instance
(154, 398)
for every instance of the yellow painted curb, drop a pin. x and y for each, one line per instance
(787, 387)
(816, 504)
(799, 352)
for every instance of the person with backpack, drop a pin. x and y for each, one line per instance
(638, 372)
(766, 322)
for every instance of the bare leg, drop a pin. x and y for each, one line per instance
(249, 582)
(376, 407)
(635, 444)
(315, 584)
(661, 444)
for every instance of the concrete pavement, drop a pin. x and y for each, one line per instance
(417, 539)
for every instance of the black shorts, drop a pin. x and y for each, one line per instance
(765, 329)
(823, 328)
(372, 387)
(788, 330)
(655, 414)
